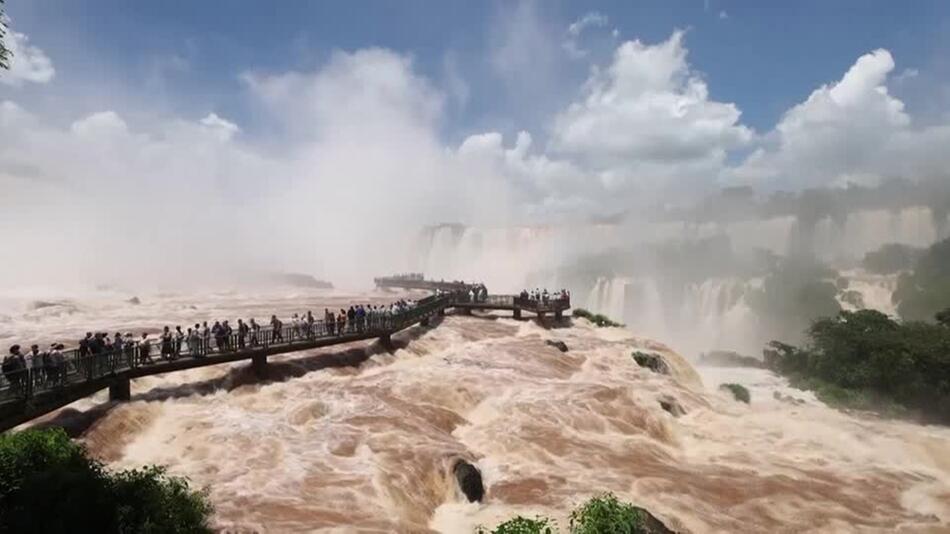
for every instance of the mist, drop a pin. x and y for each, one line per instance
(645, 196)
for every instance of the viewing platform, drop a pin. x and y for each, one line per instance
(417, 281)
(27, 394)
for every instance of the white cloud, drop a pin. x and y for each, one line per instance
(646, 120)
(28, 63)
(223, 128)
(589, 20)
(592, 19)
(852, 130)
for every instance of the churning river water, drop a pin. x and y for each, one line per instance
(358, 438)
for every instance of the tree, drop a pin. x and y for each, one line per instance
(49, 484)
(5, 53)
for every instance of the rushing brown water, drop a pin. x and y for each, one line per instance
(361, 439)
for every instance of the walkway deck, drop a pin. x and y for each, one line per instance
(25, 395)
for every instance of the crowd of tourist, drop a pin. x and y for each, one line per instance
(99, 350)
(543, 296)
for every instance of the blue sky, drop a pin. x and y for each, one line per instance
(763, 56)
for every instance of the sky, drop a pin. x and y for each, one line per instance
(230, 122)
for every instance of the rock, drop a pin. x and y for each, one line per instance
(559, 345)
(739, 392)
(728, 358)
(653, 362)
(470, 480)
(649, 524)
(134, 301)
(672, 406)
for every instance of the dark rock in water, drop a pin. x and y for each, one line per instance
(40, 304)
(672, 406)
(559, 345)
(653, 362)
(728, 358)
(649, 524)
(739, 392)
(134, 300)
(470, 480)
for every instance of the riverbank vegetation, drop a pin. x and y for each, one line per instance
(48, 483)
(601, 514)
(867, 360)
(596, 318)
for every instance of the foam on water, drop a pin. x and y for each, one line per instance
(325, 445)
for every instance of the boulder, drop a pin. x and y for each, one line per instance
(134, 301)
(470, 480)
(672, 406)
(651, 361)
(559, 345)
(649, 524)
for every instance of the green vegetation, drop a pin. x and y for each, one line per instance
(925, 291)
(596, 318)
(866, 360)
(603, 514)
(49, 484)
(890, 259)
(607, 514)
(738, 391)
(522, 525)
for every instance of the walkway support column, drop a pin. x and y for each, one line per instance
(120, 390)
(517, 313)
(558, 314)
(386, 340)
(259, 365)
(424, 321)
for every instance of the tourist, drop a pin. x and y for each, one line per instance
(242, 333)
(276, 329)
(328, 321)
(228, 332)
(13, 367)
(56, 373)
(117, 345)
(128, 346)
(254, 331)
(145, 349)
(341, 322)
(205, 337)
(310, 322)
(168, 344)
(351, 318)
(179, 338)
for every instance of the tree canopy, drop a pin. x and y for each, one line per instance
(49, 484)
(868, 356)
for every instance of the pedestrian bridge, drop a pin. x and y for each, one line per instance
(27, 394)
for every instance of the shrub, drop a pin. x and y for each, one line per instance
(49, 484)
(738, 391)
(596, 318)
(865, 360)
(522, 525)
(606, 513)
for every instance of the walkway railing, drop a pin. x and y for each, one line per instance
(76, 368)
